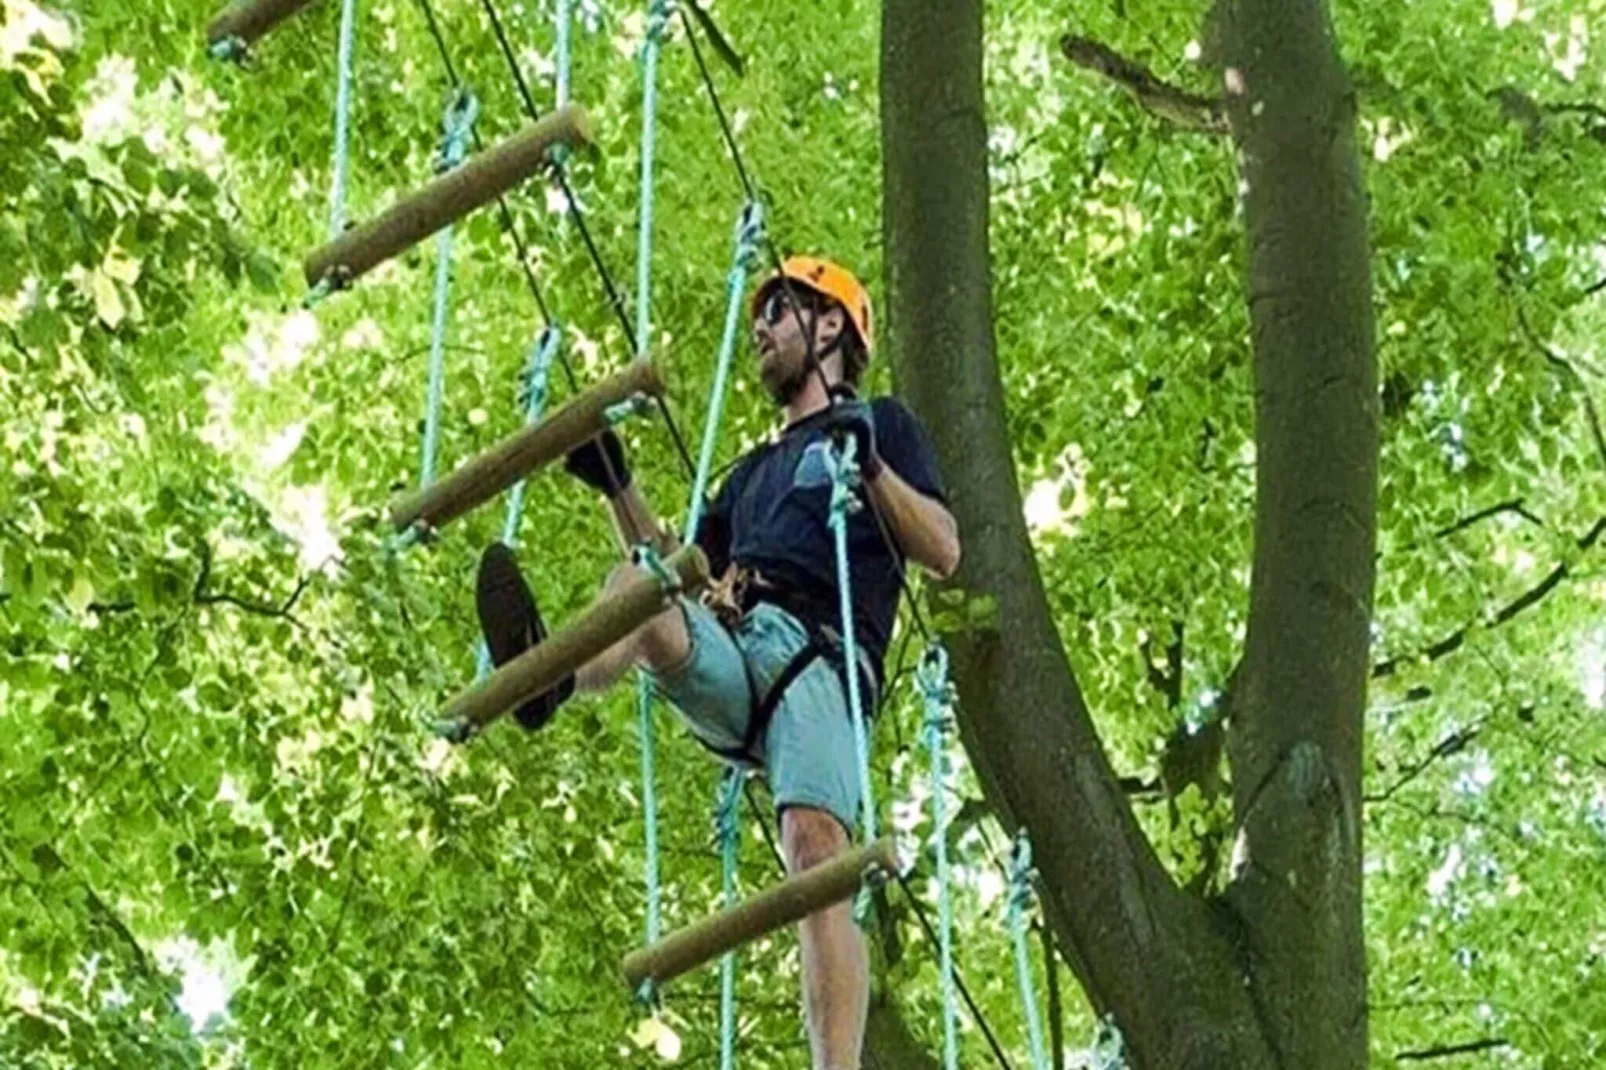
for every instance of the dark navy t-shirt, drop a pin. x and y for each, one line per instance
(773, 513)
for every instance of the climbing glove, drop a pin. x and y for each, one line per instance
(849, 417)
(599, 463)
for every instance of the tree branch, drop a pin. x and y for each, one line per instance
(1182, 109)
(1514, 506)
(1525, 601)
(1454, 743)
(1569, 372)
(1447, 1050)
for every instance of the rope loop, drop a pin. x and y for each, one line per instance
(1109, 1046)
(454, 731)
(646, 556)
(462, 109)
(618, 413)
(872, 880)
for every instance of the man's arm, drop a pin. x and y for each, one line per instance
(600, 464)
(923, 527)
(635, 523)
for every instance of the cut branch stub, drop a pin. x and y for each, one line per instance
(479, 181)
(608, 620)
(518, 455)
(246, 20)
(790, 901)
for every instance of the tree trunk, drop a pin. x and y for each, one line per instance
(1295, 739)
(1143, 949)
(1267, 977)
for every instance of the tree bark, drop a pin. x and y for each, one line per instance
(1143, 949)
(1295, 739)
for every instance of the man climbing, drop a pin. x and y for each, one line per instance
(755, 667)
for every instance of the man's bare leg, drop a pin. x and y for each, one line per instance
(659, 644)
(836, 967)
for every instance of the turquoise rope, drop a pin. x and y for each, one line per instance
(337, 195)
(749, 234)
(657, 23)
(534, 392)
(646, 557)
(729, 840)
(564, 18)
(933, 679)
(844, 477)
(1020, 896)
(649, 806)
(461, 111)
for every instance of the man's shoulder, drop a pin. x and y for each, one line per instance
(890, 411)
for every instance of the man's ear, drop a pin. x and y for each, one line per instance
(831, 322)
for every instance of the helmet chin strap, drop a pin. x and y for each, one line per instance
(813, 364)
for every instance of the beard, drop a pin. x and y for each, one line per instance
(784, 383)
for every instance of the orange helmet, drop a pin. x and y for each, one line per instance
(831, 280)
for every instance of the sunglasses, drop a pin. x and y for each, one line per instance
(777, 304)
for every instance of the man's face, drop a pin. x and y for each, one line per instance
(780, 336)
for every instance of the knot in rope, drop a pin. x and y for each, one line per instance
(932, 677)
(728, 809)
(533, 380)
(229, 49)
(658, 15)
(1020, 872)
(1109, 1046)
(458, 126)
(844, 468)
(749, 236)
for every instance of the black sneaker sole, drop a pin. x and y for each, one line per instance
(512, 624)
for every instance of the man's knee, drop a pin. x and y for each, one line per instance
(662, 641)
(811, 836)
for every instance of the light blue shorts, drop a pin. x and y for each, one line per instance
(808, 753)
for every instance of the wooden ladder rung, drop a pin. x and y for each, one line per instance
(484, 477)
(244, 21)
(608, 620)
(790, 901)
(448, 197)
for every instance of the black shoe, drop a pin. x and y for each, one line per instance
(512, 624)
